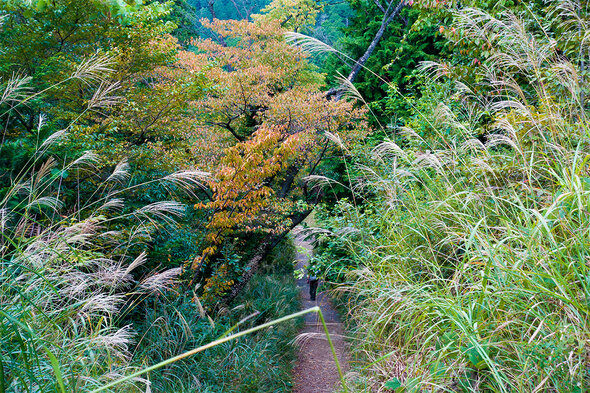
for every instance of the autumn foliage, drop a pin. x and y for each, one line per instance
(267, 96)
(247, 107)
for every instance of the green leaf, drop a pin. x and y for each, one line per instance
(41, 5)
(2, 388)
(393, 384)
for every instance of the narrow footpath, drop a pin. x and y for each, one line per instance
(316, 370)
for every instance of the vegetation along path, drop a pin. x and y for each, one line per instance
(316, 370)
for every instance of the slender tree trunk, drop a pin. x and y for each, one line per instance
(262, 252)
(387, 19)
(210, 5)
(238, 10)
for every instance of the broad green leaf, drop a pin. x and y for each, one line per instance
(393, 384)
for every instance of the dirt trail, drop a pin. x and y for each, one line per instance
(316, 370)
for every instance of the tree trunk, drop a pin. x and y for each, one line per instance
(210, 4)
(388, 17)
(262, 252)
(290, 175)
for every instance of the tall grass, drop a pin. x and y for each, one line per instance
(473, 255)
(66, 269)
(258, 362)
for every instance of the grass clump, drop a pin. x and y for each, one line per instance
(261, 362)
(467, 262)
(65, 282)
(69, 266)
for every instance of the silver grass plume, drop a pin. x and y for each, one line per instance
(5, 216)
(318, 182)
(410, 134)
(141, 232)
(111, 275)
(389, 149)
(494, 140)
(308, 44)
(313, 233)
(348, 88)
(161, 281)
(567, 75)
(102, 303)
(473, 144)
(74, 284)
(347, 231)
(140, 260)
(444, 116)
(334, 138)
(88, 159)
(17, 88)
(53, 138)
(165, 211)
(113, 204)
(506, 86)
(481, 164)
(120, 173)
(427, 160)
(49, 202)
(434, 70)
(115, 342)
(43, 172)
(95, 68)
(568, 13)
(103, 96)
(188, 180)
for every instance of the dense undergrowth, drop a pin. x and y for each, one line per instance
(465, 252)
(75, 317)
(260, 362)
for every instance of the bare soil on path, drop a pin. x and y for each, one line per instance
(316, 370)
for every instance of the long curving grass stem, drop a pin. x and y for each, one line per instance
(333, 350)
(212, 344)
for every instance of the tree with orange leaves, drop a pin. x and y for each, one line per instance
(268, 98)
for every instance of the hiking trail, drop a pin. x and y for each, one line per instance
(315, 371)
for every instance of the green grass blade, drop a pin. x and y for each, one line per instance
(56, 370)
(226, 339)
